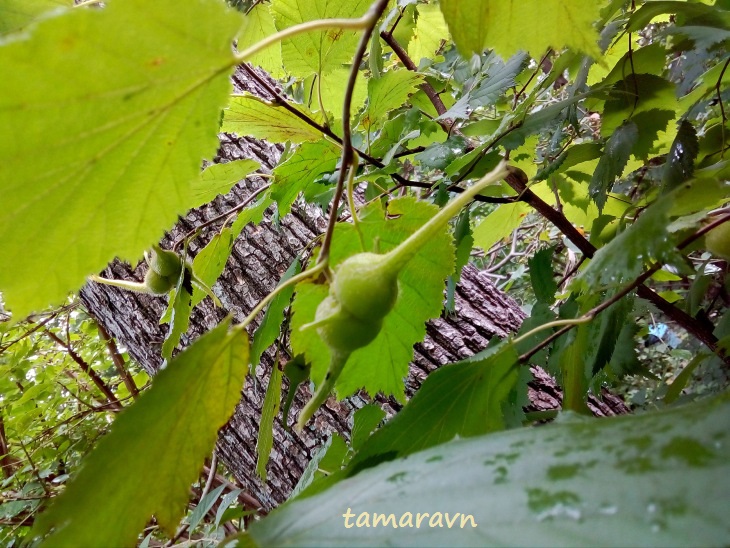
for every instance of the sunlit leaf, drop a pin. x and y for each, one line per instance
(258, 24)
(387, 93)
(250, 116)
(219, 178)
(321, 51)
(304, 167)
(121, 147)
(15, 15)
(511, 26)
(429, 34)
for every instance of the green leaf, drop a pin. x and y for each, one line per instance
(463, 399)
(296, 371)
(680, 161)
(637, 93)
(364, 421)
(122, 140)
(15, 15)
(681, 380)
(210, 262)
(607, 329)
(219, 178)
(269, 411)
(270, 326)
(386, 93)
(248, 115)
(304, 167)
(382, 365)
(332, 88)
(322, 51)
(499, 224)
(509, 27)
(650, 123)
(180, 312)
(430, 32)
(542, 276)
(575, 155)
(155, 450)
(499, 77)
(204, 506)
(657, 479)
(650, 10)
(611, 165)
(259, 24)
(327, 460)
(624, 257)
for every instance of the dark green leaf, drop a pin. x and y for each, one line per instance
(365, 420)
(612, 163)
(180, 312)
(269, 329)
(269, 411)
(542, 276)
(680, 160)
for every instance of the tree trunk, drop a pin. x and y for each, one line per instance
(260, 256)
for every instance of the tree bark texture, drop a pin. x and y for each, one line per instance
(260, 256)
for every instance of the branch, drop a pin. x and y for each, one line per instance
(86, 368)
(518, 181)
(118, 361)
(399, 179)
(438, 104)
(6, 461)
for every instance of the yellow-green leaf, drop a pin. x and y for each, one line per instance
(317, 52)
(430, 31)
(259, 24)
(250, 116)
(15, 15)
(381, 365)
(530, 25)
(219, 178)
(103, 162)
(386, 93)
(155, 450)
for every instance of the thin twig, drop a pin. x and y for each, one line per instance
(86, 368)
(376, 10)
(438, 104)
(237, 209)
(111, 346)
(518, 181)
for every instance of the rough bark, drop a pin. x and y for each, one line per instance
(260, 255)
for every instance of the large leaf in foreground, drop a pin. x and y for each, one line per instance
(98, 165)
(15, 15)
(155, 449)
(658, 479)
